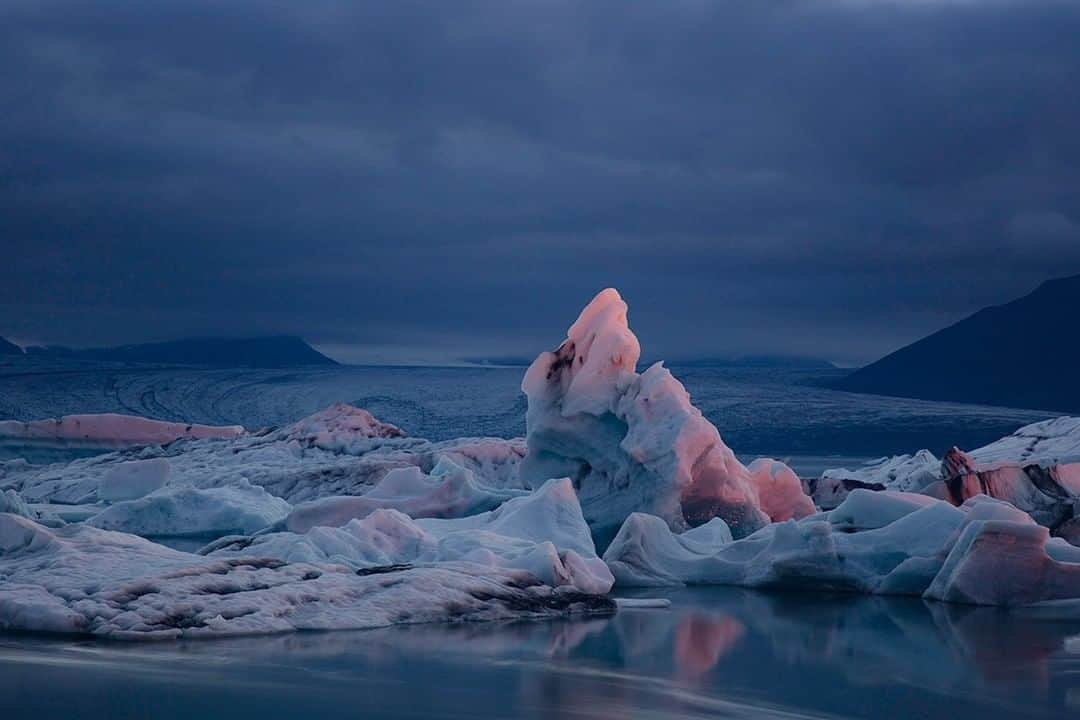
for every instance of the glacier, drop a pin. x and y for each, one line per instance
(340, 520)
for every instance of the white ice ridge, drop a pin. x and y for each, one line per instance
(984, 552)
(635, 443)
(114, 429)
(82, 580)
(542, 533)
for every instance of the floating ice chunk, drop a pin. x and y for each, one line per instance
(630, 442)
(185, 511)
(449, 491)
(907, 473)
(642, 603)
(779, 489)
(869, 510)
(131, 480)
(114, 428)
(83, 580)
(1003, 558)
(985, 552)
(1037, 469)
(543, 533)
(645, 553)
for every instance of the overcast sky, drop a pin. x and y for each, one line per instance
(424, 181)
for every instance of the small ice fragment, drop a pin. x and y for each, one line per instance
(636, 603)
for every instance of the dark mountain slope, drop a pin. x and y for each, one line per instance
(1025, 353)
(9, 348)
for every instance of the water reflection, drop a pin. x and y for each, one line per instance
(723, 652)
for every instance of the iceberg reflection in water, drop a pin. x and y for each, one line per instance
(715, 652)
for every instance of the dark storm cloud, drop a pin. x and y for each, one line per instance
(447, 179)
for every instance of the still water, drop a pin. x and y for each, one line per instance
(715, 653)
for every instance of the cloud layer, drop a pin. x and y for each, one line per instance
(431, 180)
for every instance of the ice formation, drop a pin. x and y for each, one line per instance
(114, 429)
(910, 473)
(891, 543)
(82, 580)
(780, 492)
(184, 511)
(450, 491)
(1036, 469)
(542, 533)
(340, 520)
(332, 453)
(630, 442)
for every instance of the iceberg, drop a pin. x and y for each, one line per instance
(1036, 469)
(985, 552)
(449, 491)
(543, 533)
(82, 580)
(630, 442)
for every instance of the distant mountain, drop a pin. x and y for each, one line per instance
(758, 361)
(1025, 354)
(9, 348)
(276, 351)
